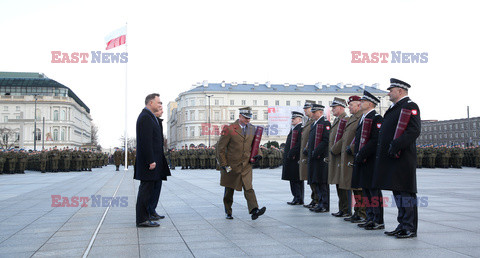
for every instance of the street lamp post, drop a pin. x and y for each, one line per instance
(209, 126)
(35, 126)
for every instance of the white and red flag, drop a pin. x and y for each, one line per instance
(116, 38)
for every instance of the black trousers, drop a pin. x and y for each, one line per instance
(374, 205)
(344, 200)
(152, 205)
(407, 210)
(143, 200)
(297, 188)
(323, 191)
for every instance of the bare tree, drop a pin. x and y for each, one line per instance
(132, 142)
(94, 135)
(9, 137)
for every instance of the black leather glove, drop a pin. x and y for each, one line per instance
(348, 150)
(257, 158)
(358, 159)
(305, 152)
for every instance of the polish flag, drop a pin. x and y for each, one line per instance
(116, 38)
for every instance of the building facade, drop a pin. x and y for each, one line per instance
(29, 100)
(189, 114)
(451, 132)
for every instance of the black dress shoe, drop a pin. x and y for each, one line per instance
(258, 212)
(338, 214)
(153, 218)
(406, 234)
(148, 224)
(292, 203)
(358, 220)
(392, 233)
(157, 217)
(310, 205)
(365, 224)
(348, 215)
(375, 226)
(229, 216)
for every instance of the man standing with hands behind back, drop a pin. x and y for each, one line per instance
(150, 165)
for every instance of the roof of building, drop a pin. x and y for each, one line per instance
(241, 87)
(36, 80)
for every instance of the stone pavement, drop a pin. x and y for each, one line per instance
(195, 225)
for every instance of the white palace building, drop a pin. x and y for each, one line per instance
(62, 119)
(188, 116)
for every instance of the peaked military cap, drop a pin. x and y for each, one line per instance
(398, 83)
(296, 114)
(338, 102)
(317, 107)
(308, 104)
(246, 112)
(368, 96)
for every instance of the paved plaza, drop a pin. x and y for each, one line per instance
(191, 200)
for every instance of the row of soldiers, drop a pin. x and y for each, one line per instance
(448, 156)
(361, 154)
(51, 160)
(202, 157)
(119, 157)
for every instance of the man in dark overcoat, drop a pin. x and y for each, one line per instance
(291, 157)
(396, 161)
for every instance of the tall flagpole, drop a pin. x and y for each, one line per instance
(126, 92)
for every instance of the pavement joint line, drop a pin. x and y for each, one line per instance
(85, 254)
(68, 218)
(36, 220)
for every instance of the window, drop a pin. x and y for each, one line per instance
(217, 102)
(192, 131)
(288, 103)
(55, 134)
(5, 108)
(299, 103)
(265, 102)
(5, 119)
(202, 102)
(462, 135)
(63, 115)
(232, 115)
(456, 135)
(201, 115)
(277, 102)
(255, 115)
(461, 126)
(254, 102)
(265, 115)
(244, 102)
(38, 135)
(232, 102)
(435, 137)
(192, 115)
(216, 115)
(55, 115)
(62, 135)
(17, 108)
(192, 102)
(17, 117)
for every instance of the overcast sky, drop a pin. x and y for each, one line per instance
(174, 44)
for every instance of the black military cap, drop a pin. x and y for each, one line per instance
(317, 107)
(368, 96)
(397, 83)
(296, 114)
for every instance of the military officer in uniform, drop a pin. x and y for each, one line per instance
(395, 168)
(117, 156)
(233, 153)
(303, 162)
(317, 168)
(334, 158)
(291, 156)
(364, 162)
(348, 158)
